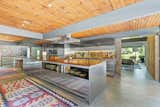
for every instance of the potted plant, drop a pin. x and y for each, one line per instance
(141, 57)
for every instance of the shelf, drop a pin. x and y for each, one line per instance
(79, 72)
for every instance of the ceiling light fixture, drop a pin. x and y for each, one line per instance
(26, 22)
(23, 24)
(49, 5)
(134, 21)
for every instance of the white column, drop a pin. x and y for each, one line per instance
(29, 52)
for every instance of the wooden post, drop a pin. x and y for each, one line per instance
(152, 56)
(118, 56)
(157, 58)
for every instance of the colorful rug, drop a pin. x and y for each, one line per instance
(7, 71)
(26, 93)
(1, 101)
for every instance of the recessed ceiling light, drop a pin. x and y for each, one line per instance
(134, 21)
(23, 24)
(26, 22)
(49, 5)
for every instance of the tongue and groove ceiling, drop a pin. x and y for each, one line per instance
(140, 23)
(46, 15)
(43, 16)
(11, 38)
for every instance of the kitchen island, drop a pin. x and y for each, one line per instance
(90, 79)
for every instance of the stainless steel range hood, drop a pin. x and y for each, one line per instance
(66, 39)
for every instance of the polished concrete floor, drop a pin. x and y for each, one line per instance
(135, 88)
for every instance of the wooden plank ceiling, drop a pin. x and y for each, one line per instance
(45, 15)
(144, 22)
(11, 38)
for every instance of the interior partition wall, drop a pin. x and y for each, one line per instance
(159, 58)
(152, 56)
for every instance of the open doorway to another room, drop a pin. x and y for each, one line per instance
(133, 55)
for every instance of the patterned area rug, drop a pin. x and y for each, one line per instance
(1, 101)
(7, 71)
(26, 93)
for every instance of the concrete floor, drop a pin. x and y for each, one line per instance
(134, 88)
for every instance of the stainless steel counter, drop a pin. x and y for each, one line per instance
(96, 77)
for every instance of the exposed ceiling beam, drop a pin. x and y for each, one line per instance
(97, 42)
(134, 39)
(28, 42)
(7, 43)
(142, 9)
(133, 44)
(19, 32)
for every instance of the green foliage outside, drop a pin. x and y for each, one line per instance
(133, 53)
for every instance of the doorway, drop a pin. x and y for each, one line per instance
(133, 55)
